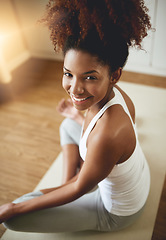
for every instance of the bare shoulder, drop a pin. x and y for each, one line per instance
(114, 134)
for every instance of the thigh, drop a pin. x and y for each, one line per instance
(78, 215)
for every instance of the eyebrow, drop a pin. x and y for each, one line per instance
(85, 73)
(66, 69)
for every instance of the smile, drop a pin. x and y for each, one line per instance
(79, 99)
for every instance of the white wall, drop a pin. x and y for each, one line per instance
(153, 61)
(11, 38)
(13, 50)
(159, 48)
(36, 35)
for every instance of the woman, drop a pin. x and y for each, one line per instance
(105, 151)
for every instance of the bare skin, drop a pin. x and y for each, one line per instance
(66, 109)
(89, 85)
(72, 161)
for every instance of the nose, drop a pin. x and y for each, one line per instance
(77, 86)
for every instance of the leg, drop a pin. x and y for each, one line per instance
(85, 213)
(70, 135)
(78, 215)
(71, 161)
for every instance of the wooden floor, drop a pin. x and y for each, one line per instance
(29, 127)
(29, 124)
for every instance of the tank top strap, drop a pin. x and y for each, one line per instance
(117, 99)
(95, 119)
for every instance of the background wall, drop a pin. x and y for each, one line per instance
(36, 35)
(153, 60)
(12, 43)
(13, 50)
(21, 37)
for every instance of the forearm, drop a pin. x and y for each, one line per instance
(54, 198)
(45, 191)
(51, 198)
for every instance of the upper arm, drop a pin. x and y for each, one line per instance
(107, 145)
(102, 155)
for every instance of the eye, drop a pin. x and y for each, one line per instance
(91, 78)
(67, 74)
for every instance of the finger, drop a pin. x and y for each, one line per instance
(60, 104)
(69, 101)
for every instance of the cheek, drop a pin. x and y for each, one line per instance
(65, 84)
(98, 89)
(94, 90)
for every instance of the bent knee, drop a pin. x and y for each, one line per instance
(18, 223)
(70, 132)
(22, 223)
(11, 224)
(67, 124)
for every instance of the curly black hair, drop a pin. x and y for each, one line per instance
(104, 28)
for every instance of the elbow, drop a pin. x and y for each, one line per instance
(80, 190)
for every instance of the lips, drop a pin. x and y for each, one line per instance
(79, 100)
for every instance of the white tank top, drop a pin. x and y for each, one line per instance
(125, 190)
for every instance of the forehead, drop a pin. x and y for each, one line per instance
(82, 61)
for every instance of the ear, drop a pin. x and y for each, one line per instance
(116, 75)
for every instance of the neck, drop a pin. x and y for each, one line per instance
(110, 94)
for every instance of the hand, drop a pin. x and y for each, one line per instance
(6, 212)
(66, 109)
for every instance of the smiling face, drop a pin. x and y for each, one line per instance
(86, 80)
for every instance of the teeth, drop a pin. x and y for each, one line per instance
(79, 99)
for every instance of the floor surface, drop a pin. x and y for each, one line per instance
(150, 103)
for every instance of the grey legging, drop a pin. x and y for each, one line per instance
(85, 213)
